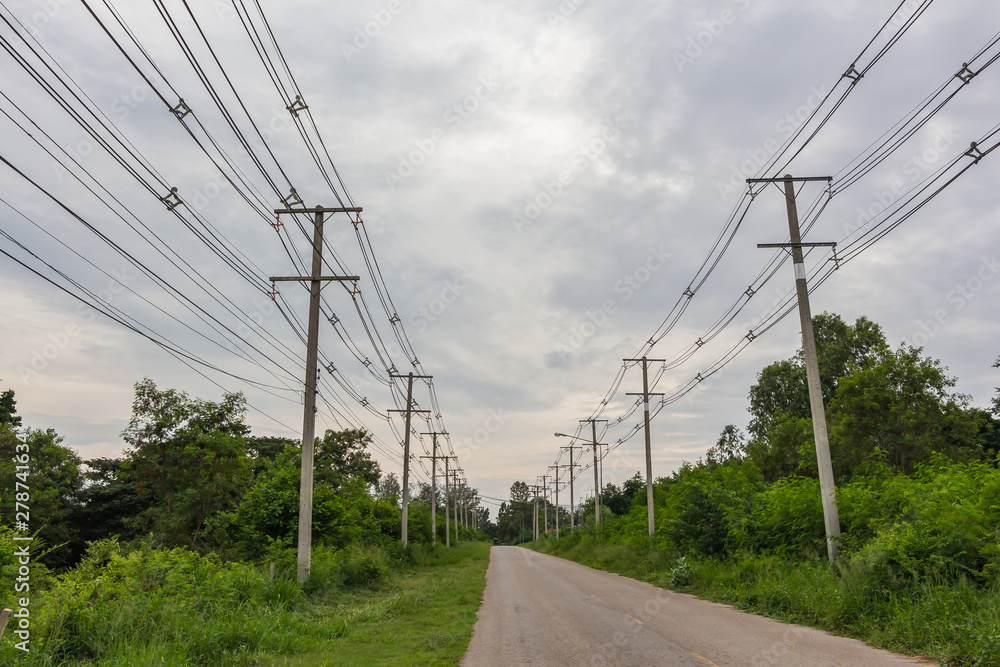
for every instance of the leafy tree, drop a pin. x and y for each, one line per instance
(389, 489)
(615, 500)
(988, 428)
(53, 481)
(262, 449)
(343, 510)
(189, 455)
(901, 408)
(788, 448)
(343, 455)
(109, 503)
(634, 488)
(519, 492)
(731, 446)
(8, 411)
(840, 349)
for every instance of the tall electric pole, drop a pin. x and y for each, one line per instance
(828, 489)
(557, 467)
(312, 345)
(598, 519)
(434, 503)
(447, 502)
(454, 481)
(406, 450)
(649, 457)
(534, 514)
(545, 500)
(572, 506)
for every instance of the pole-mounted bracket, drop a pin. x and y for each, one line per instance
(171, 200)
(965, 75)
(974, 152)
(181, 110)
(298, 105)
(291, 200)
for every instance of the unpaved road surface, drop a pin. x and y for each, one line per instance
(542, 610)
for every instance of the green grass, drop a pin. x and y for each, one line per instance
(423, 617)
(363, 605)
(954, 622)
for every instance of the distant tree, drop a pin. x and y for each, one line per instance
(519, 492)
(634, 488)
(189, 455)
(389, 488)
(731, 446)
(8, 411)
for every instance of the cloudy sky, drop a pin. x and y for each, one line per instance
(540, 181)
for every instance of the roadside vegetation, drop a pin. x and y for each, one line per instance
(918, 488)
(182, 552)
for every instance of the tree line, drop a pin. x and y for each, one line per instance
(194, 476)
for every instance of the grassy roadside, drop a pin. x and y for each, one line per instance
(953, 623)
(419, 617)
(362, 606)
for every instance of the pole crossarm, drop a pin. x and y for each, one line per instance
(278, 279)
(319, 209)
(824, 244)
(791, 179)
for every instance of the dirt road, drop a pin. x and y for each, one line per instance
(541, 610)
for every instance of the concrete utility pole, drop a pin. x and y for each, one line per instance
(454, 480)
(534, 514)
(828, 488)
(649, 457)
(572, 506)
(434, 502)
(598, 519)
(447, 502)
(406, 450)
(312, 344)
(557, 467)
(545, 500)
